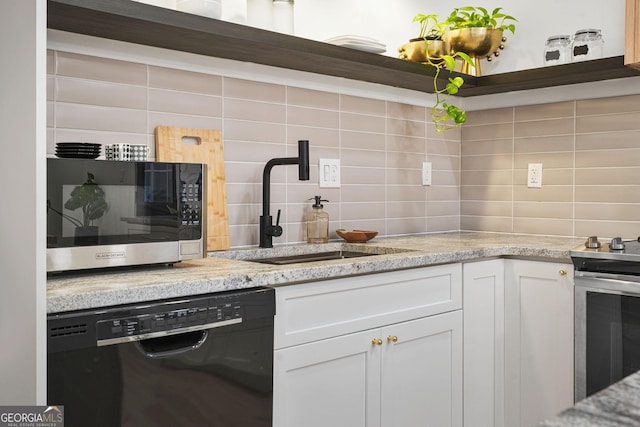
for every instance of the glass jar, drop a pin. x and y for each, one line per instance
(557, 50)
(283, 16)
(587, 45)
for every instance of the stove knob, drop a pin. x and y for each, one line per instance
(592, 243)
(616, 244)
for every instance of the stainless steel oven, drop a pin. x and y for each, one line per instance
(607, 313)
(197, 361)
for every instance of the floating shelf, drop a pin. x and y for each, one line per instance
(139, 23)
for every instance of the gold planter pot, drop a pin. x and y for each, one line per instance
(475, 42)
(417, 49)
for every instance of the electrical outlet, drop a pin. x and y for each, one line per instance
(426, 173)
(534, 175)
(329, 173)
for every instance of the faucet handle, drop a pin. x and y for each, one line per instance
(276, 230)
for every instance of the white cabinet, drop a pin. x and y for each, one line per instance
(538, 340)
(483, 313)
(381, 350)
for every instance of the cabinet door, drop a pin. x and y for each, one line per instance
(483, 312)
(333, 382)
(538, 340)
(422, 372)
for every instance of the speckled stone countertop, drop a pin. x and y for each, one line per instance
(228, 270)
(616, 406)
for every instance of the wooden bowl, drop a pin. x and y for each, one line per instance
(356, 236)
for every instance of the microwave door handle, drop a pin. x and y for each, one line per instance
(157, 354)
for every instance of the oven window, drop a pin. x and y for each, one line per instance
(613, 339)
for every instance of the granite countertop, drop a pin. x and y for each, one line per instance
(615, 406)
(229, 270)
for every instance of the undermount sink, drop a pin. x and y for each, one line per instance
(311, 257)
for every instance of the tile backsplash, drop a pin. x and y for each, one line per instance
(589, 150)
(381, 144)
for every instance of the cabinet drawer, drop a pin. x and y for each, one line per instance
(317, 310)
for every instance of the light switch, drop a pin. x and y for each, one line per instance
(329, 173)
(426, 173)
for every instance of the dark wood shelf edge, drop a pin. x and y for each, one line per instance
(139, 23)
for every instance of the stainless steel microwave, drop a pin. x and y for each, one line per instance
(103, 213)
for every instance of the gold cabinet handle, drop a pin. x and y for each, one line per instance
(563, 272)
(392, 338)
(376, 341)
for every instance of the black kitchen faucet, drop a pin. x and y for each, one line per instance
(267, 229)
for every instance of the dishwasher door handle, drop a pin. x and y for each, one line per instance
(156, 348)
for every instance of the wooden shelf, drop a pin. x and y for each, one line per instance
(140, 23)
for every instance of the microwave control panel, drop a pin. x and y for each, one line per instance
(190, 204)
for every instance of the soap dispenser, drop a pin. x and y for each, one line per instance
(318, 222)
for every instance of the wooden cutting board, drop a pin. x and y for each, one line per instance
(175, 144)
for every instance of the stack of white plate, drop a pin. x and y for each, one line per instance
(366, 44)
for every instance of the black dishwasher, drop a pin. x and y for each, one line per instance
(197, 361)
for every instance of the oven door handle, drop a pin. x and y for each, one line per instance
(156, 348)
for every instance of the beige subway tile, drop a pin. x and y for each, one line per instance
(486, 208)
(538, 209)
(548, 193)
(562, 126)
(607, 193)
(105, 138)
(406, 144)
(317, 137)
(76, 116)
(312, 117)
(488, 177)
(181, 120)
(610, 140)
(317, 153)
(400, 226)
(617, 104)
(499, 146)
(544, 144)
(400, 176)
(447, 148)
(486, 162)
(362, 140)
(405, 193)
(243, 189)
(445, 193)
(548, 160)
(545, 111)
(439, 208)
(399, 160)
(375, 224)
(608, 158)
(406, 111)
(51, 88)
(489, 117)
(243, 213)
(608, 176)
(360, 211)
(360, 105)
(498, 193)
(94, 68)
(443, 224)
(362, 193)
(244, 130)
(608, 123)
(363, 158)
(51, 111)
(362, 123)
(252, 152)
(545, 227)
(313, 98)
(406, 127)
(606, 229)
(487, 132)
(253, 91)
(185, 103)
(445, 178)
(608, 211)
(453, 134)
(254, 111)
(107, 94)
(184, 81)
(444, 163)
(51, 142)
(486, 223)
(402, 209)
(360, 175)
(51, 61)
